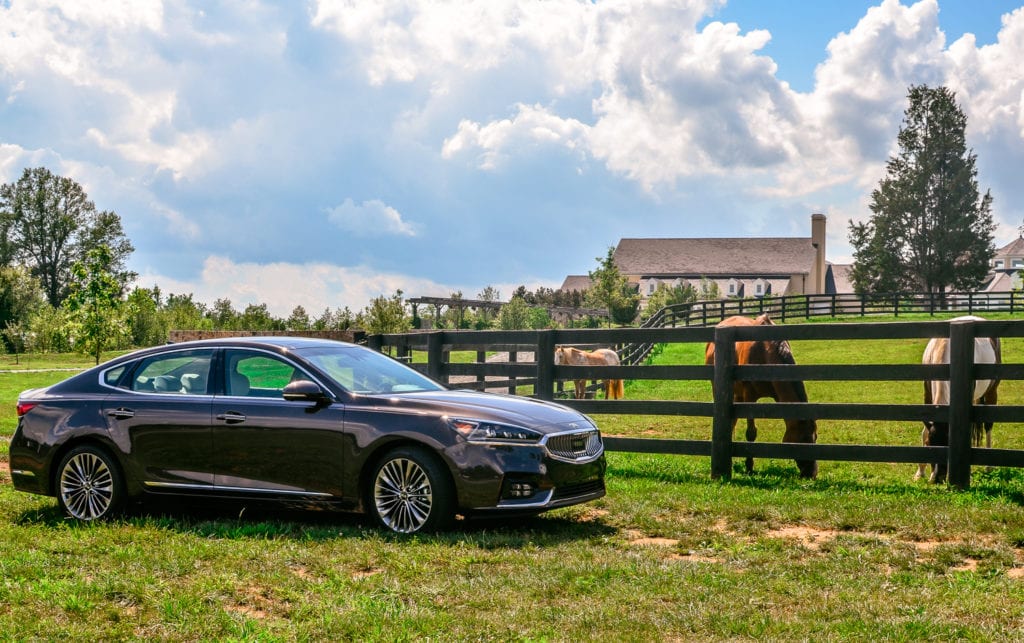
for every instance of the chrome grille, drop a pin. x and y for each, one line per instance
(576, 446)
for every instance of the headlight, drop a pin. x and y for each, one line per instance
(475, 431)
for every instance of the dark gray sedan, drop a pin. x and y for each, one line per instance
(300, 421)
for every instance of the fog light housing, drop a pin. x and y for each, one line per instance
(517, 490)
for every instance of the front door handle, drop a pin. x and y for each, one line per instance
(121, 413)
(232, 417)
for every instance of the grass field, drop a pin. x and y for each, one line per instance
(861, 553)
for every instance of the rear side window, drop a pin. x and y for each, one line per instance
(184, 373)
(113, 376)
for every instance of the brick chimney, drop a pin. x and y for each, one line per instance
(818, 241)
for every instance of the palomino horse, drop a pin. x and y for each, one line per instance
(769, 352)
(568, 356)
(987, 350)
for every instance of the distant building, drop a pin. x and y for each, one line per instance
(741, 267)
(1006, 266)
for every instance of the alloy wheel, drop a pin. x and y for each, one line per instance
(403, 495)
(87, 486)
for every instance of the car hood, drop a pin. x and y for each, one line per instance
(509, 409)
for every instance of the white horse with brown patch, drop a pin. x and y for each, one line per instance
(986, 351)
(569, 356)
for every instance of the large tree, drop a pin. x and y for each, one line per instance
(47, 223)
(930, 227)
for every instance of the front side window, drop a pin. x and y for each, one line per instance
(180, 373)
(252, 374)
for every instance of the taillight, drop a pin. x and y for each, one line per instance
(25, 407)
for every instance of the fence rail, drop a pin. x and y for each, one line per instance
(542, 374)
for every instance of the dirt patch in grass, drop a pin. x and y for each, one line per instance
(366, 572)
(807, 536)
(814, 540)
(256, 603)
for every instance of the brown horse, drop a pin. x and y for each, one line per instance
(769, 352)
(987, 350)
(568, 356)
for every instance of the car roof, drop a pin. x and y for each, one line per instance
(279, 343)
(287, 342)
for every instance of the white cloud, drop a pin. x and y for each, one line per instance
(532, 125)
(370, 219)
(606, 119)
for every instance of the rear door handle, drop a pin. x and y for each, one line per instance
(232, 417)
(121, 413)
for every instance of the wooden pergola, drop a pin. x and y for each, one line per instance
(459, 304)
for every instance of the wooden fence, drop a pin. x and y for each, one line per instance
(543, 374)
(704, 313)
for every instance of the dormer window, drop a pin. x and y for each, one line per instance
(759, 287)
(1018, 263)
(999, 263)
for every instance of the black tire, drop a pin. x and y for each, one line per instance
(410, 492)
(89, 484)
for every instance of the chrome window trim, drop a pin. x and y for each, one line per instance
(283, 358)
(164, 396)
(102, 380)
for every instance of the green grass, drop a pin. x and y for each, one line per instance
(861, 553)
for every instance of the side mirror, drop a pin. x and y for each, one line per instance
(305, 391)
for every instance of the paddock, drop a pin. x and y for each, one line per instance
(539, 379)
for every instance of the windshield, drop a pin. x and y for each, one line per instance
(367, 372)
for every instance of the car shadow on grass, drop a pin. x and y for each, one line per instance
(239, 521)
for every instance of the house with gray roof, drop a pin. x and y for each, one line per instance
(741, 267)
(1006, 266)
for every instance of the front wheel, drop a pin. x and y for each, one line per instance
(411, 492)
(89, 485)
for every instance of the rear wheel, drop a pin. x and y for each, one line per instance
(89, 485)
(411, 492)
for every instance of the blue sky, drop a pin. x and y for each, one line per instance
(325, 152)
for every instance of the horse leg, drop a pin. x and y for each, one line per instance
(751, 436)
(581, 388)
(922, 466)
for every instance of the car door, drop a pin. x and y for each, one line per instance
(162, 409)
(264, 444)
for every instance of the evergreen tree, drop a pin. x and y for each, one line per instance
(930, 227)
(611, 289)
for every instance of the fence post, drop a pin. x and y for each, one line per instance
(961, 390)
(375, 342)
(513, 357)
(481, 358)
(435, 356)
(722, 420)
(545, 387)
